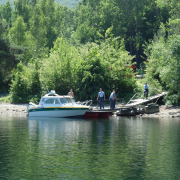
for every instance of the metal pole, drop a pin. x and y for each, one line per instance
(130, 99)
(34, 54)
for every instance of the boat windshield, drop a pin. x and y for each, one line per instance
(66, 100)
(51, 101)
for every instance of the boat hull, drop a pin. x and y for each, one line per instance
(126, 112)
(97, 114)
(57, 112)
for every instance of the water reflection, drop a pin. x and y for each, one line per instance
(115, 148)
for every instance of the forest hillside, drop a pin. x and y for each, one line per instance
(45, 45)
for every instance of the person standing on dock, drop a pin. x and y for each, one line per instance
(146, 90)
(113, 99)
(71, 93)
(101, 97)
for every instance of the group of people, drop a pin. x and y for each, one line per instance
(101, 98)
(112, 98)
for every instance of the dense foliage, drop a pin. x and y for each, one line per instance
(84, 69)
(163, 66)
(9, 57)
(88, 46)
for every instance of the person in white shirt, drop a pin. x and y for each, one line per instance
(101, 97)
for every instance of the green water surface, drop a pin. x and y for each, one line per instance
(78, 149)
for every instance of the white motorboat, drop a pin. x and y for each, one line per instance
(54, 105)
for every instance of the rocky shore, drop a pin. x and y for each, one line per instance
(13, 109)
(164, 111)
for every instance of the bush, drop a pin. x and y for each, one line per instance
(163, 68)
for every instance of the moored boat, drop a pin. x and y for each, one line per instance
(126, 112)
(54, 105)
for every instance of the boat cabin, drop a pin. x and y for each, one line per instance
(53, 100)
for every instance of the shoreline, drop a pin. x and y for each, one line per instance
(165, 111)
(13, 109)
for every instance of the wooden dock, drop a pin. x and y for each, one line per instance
(137, 102)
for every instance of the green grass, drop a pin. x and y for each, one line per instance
(6, 99)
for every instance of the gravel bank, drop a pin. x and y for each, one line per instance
(13, 109)
(165, 112)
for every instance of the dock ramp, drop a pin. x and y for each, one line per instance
(137, 102)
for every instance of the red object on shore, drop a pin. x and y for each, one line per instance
(133, 67)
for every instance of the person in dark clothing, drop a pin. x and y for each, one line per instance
(146, 90)
(113, 99)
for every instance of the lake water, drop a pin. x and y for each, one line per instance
(78, 149)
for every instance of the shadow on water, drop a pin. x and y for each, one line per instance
(53, 119)
(114, 148)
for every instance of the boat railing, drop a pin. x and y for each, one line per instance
(87, 103)
(106, 103)
(31, 105)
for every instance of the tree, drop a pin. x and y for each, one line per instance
(48, 9)
(58, 19)
(92, 75)
(22, 9)
(59, 70)
(163, 67)
(8, 59)
(7, 12)
(38, 28)
(18, 30)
